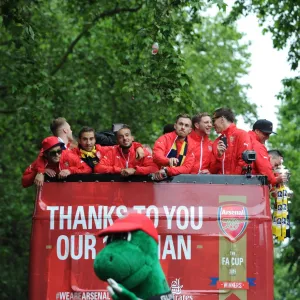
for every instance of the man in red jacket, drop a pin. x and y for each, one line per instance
(122, 159)
(62, 129)
(262, 129)
(57, 163)
(87, 150)
(202, 125)
(174, 151)
(91, 153)
(276, 158)
(229, 146)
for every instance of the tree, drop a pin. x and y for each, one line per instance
(91, 62)
(280, 18)
(288, 141)
(215, 62)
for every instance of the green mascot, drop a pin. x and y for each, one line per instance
(129, 261)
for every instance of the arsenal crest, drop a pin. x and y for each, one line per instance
(233, 221)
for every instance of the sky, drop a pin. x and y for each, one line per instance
(268, 67)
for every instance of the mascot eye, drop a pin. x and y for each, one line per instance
(125, 236)
(105, 239)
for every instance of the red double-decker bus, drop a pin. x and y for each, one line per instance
(215, 239)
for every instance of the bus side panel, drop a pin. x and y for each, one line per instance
(209, 235)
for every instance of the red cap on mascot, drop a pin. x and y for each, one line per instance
(132, 222)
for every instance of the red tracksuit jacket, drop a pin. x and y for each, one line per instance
(262, 163)
(100, 152)
(115, 160)
(161, 149)
(67, 161)
(202, 151)
(231, 162)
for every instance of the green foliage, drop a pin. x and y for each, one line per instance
(280, 18)
(215, 63)
(91, 62)
(283, 290)
(288, 141)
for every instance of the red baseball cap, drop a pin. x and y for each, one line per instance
(132, 222)
(50, 142)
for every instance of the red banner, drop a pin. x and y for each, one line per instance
(215, 241)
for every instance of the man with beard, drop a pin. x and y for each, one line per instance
(122, 159)
(262, 129)
(88, 150)
(229, 146)
(91, 153)
(173, 152)
(202, 125)
(56, 161)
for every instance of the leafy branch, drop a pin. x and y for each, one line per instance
(85, 30)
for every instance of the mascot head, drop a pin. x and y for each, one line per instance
(131, 251)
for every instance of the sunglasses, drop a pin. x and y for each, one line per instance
(53, 153)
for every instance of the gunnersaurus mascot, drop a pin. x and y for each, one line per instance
(129, 261)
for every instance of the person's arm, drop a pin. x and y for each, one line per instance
(263, 164)
(243, 144)
(215, 165)
(77, 166)
(106, 165)
(40, 163)
(207, 159)
(105, 149)
(146, 165)
(159, 151)
(185, 168)
(139, 151)
(29, 175)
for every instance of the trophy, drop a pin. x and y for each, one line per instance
(281, 169)
(281, 219)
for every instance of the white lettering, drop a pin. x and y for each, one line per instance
(79, 243)
(52, 215)
(139, 208)
(79, 247)
(96, 217)
(186, 217)
(200, 217)
(169, 248)
(236, 261)
(169, 215)
(121, 209)
(107, 219)
(90, 246)
(79, 218)
(233, 212)
(63, 217)
(155, 213)
(225, 261)
(185, 247)
(60, 240)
